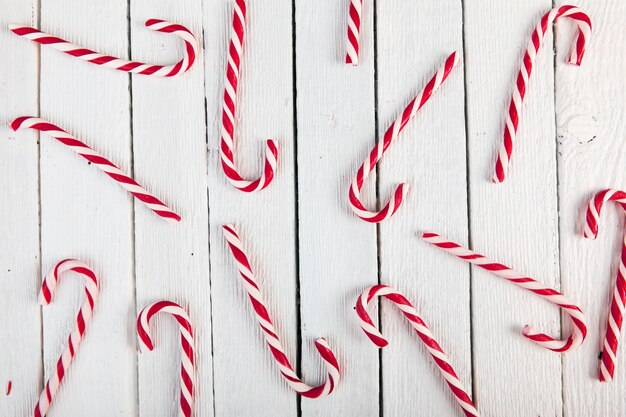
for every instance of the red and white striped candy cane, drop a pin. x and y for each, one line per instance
(579, 322)
(227, 145)
(82, 320)
(390, 135)
(440, 357)
(515, 108)
(616, 313)
(189, 56)
(354, 32)
(271, 336)
(100, 161)
(186, 339)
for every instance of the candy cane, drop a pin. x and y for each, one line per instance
(616, 313)
(100, 161)
(354, 32)
(189, 56)
(84, 315)
(271, 336)
(440, 357)
(186, 339)
(390, 135)
(515, 108)
(229, 110)
(579, 322)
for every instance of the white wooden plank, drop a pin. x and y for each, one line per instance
(590, 134)
(86, 215)
(170, 157)
(19, 247)
(338, 257)
(413, 41)
(515, 222)
(246, 379)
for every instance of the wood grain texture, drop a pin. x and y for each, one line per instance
(86, 215)
(430, 156)
(338, 253)
(20, 356)
(246, 379)
(590, 104)
(172, 261)
(311, 254)
(516, 222)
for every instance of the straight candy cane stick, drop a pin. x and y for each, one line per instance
(579, 322)
(515, 108)
(82, 320)
(186, 339)
(271, 336)
(100, 161)
(354, 32)
(229, 108)
(424, 333)
(135, 67)
(390, 135)
(615, 318)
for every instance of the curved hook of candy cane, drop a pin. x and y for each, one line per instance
(227, 144)
(590, 230)
(577, 317)
(354, 32)
(391, 134)
(424, 333)
(616, 311)
(270, 333)
(48, 288)
(515, 108)
(135, 67)
(109, 168)
(146, 344)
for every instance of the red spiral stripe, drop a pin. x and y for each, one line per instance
(379, 150)
(515, 108)
(100, 161)
(354, 32)
(424, 333)
(229, 108)
(135, 67)
(615, 317)
(579, 322)
(48, 287)
(187, 346)
(271, 335)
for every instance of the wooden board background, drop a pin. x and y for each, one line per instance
(312, 256)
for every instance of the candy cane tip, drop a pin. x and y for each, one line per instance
(497, 180)
(426, 234)
(153, 21)
(12, 27)
(590, 234)
(16, 124)
(173, 219)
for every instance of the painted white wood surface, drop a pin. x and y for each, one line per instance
(312, 256)
(20, 335)
(265, 220)
(171, 261)
(515, 222)
(336, 130)
(430, 156)
(590, 103)
(85, 215)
